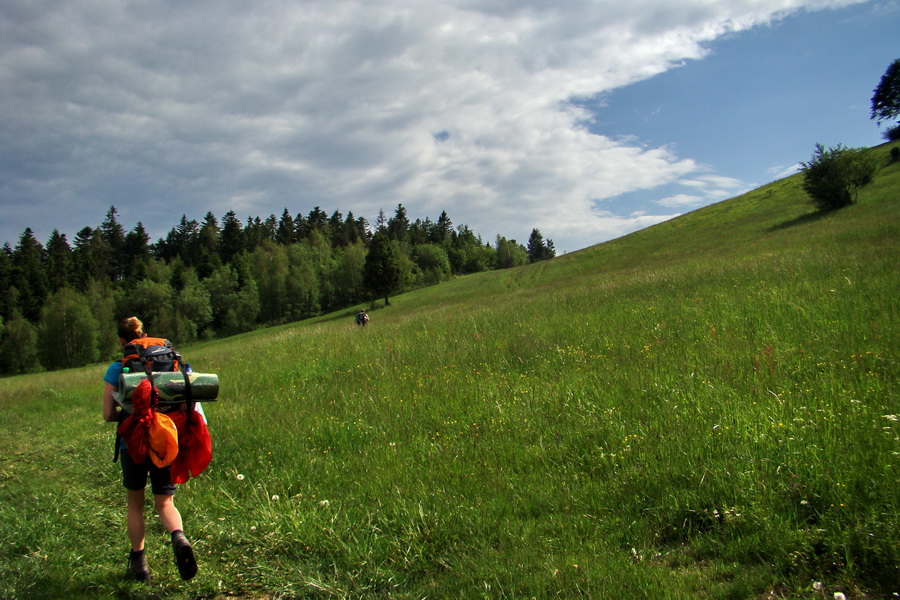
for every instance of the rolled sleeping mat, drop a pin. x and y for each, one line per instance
(171, 386)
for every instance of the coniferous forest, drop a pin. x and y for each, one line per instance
(59, 301)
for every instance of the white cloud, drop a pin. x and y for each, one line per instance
(781, 171)
(681, 200)
(346, 104)
(703, 190)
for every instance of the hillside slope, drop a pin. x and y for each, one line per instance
(705, 408)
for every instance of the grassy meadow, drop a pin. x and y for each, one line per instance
(707, 408)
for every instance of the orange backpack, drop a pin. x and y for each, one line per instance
(151, 354)
(178, 437)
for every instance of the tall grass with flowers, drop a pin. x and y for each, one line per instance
(704, 409)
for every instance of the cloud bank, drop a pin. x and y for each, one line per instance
(163, 108)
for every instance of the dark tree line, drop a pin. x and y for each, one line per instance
(59, 301)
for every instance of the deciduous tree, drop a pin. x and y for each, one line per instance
(510, 253)
(383, 272)
(832, 177)
(433, 263)
(886, 97)
(68, 332)
(18, 347)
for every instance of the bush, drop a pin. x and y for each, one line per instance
(892, 134)
(895, 154)
(833, 177)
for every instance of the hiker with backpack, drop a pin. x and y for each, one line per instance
(135, 473)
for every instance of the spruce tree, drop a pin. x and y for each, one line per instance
(93, 253)
(443, 229)
(114, 236)
(135, 253)
(207, 246)
(538, 249)
(29, 275)
(398, 225)
(231, 237)
(8, 293)
(286, 234)
(59, 261)
(339, 236)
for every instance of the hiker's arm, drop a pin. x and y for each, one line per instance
(109, 404)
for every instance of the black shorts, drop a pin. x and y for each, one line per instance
(134, 476)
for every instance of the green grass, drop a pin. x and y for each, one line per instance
(706, 408)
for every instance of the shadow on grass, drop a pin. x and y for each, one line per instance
(801, 220)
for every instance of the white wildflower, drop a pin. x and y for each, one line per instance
(324, 503)
(240, 477)
(839, 596)
(818, 586)
(274, 497)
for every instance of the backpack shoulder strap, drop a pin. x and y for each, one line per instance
(120, 418)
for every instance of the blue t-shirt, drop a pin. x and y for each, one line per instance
(112, 378)
(113, 373)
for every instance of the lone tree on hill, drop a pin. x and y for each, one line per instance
(382, 273)
(886, 99)
(832, 177)
(538, 249)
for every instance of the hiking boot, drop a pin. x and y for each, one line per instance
(184, 555)
(137, 566)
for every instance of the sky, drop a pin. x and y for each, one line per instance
(585, 119)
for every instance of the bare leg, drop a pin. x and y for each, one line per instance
(168, 514)
(137, 562)
(171, 520)
(135, 518)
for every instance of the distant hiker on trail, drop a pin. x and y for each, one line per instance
(134, 477)
(362, 318)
